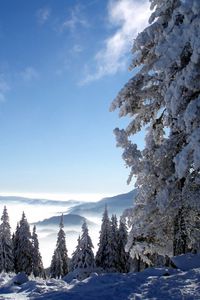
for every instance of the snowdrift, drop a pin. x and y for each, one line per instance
(153, 283)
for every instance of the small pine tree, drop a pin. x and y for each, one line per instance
(37, 265)
(114, 261)
(103, 256)
(74, 264)
(15, 240)
(23, 247)
(56, 269)
(59, 263)
(86, 259)
(124, 257)
(6, 247)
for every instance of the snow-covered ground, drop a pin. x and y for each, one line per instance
(153, 283)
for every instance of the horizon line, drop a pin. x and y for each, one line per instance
(90, 197)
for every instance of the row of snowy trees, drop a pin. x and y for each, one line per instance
(111, 254)
(20, 252)
(110, 257)
(163, 97)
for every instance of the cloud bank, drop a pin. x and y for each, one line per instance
(129, 17)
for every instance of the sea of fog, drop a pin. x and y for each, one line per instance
(46, 234)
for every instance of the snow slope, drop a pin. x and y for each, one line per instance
(152, 284)
(187, 261)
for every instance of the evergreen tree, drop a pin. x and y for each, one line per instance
(103, 255)
(23, 248)
(6, 247)
(56, 268)
(74, 264)
(124, 258)
(15, 240)
(37, 265)
(59, 263)
(164, 95)
(114, 250)
(86, 258)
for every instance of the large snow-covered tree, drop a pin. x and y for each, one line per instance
(163, 97)
(103, 256)
(23, 247)
(6, 247)
(59, 263)
(37, 265)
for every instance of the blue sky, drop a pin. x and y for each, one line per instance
(61, 64)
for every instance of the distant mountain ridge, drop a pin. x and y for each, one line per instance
(32, 201)
(76, 215)
(116, 205)
(121, 201)
(68, 220)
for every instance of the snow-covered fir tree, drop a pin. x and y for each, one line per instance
(59, 263)
(37, 265)
(15, 239)
(23, 247)
(6, 247)
(103, 256)
(124, 257)
(114, 249)
(56, 268)
(164, 95)
(74, 263)
(86, 258)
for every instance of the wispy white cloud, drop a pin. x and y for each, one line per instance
(129, 17)
(4, 88)
(29, 74)
(75, 20)
(43, 15)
